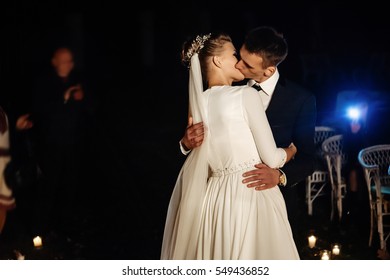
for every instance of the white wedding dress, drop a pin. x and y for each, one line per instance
(231, 221)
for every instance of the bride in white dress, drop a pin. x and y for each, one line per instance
(212, 215)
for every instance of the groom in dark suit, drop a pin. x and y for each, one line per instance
(291, 112)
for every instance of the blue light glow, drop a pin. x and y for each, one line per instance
(353, 113)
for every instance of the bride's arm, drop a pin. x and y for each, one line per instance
(254, 112)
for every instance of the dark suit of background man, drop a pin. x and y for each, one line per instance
(61, 110)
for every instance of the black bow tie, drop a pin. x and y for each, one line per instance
(257, 87)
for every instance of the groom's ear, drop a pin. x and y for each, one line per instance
(269, 71)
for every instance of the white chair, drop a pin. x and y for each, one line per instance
(375, 161)
(316, 182)
(336, 159)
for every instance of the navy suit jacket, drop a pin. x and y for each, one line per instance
(292, 116)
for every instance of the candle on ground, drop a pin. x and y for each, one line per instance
(312, 241)
(336, 250)
(37, 241)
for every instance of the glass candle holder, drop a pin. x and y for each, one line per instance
(336, 249)
(325, 255)
(37, 242)
(312, 241)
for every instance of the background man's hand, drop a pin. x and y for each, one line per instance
(23, 122)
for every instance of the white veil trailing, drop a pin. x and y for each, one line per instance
(184, 212)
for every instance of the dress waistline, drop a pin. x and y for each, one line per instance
(234, 169)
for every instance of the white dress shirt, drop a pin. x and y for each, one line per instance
(267, 87)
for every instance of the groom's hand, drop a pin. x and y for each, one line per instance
(193, 136)
(261, 178)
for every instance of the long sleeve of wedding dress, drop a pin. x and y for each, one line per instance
(257, 120)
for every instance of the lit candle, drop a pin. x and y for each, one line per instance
(37, 241)
(325, 255)
(312, 241)
(336, 250)
(19, 255)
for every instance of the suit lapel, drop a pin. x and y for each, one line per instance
(278, 100)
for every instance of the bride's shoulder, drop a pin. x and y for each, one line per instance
(242, 88)
(245, 89)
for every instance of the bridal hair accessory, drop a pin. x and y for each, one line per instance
(196, 46)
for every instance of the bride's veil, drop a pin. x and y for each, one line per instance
(184, 212)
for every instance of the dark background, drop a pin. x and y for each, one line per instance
(131, 59)
(333, 45)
